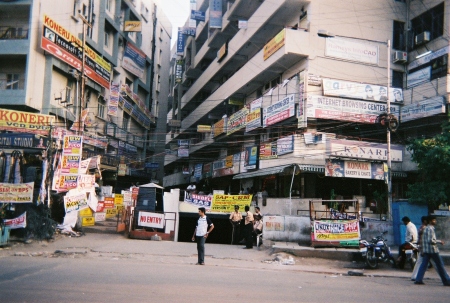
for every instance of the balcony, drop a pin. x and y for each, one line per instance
(13, 33)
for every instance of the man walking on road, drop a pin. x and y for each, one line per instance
(430, 251)
(202, 230)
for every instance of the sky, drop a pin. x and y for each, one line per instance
(177, 11)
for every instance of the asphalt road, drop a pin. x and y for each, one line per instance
(81, 274)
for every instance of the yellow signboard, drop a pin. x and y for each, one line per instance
(203, 128)
(111, 212)
(226, 203)
(14, 120)
(87, 221)
(118, 199)
(132, 26)
(87, 212)
(275, 44)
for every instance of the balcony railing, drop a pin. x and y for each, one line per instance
(13, 33)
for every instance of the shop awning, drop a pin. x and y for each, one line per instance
(265, 171)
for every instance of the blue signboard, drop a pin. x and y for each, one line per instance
(22, 140)
(215, 13)
(180, 42)
(198, 15)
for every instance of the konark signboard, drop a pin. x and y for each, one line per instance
(363, 150)
(62, 44)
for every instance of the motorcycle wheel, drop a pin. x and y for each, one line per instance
(371, 259)
(413, 260)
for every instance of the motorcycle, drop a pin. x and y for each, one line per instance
(411, 252)
(376, 251)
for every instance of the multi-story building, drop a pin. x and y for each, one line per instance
(290, 97)
(127, 48)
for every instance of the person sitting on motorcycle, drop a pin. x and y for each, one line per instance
(410, 237)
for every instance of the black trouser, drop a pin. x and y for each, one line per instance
(236, 233)
(248, 228)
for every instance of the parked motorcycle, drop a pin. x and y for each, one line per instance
(411, 252)
(376, 251)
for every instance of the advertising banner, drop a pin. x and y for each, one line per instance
(354, 169)
(226, 203)
(237, 121)
(16, 193)
(198, 15)
(198, 200)
(19, 222)
(253, 120)
(65, 46)
(279, 111)
(179, 71)
(75, 202)
(198, 170)
(113, 103)
(132, 26)
(275, 44)
(148, 219)
(215, 13)
(422, 109)
(267, 151)
(72, 145)
(357, 90)
(251, 157)
(86, 181)
(285, 145)
(346, 110)
(345, 49)
(418, 77)
(133, 60)
(66, 182)
(219, 127)
(109, 202)
(18, 121)
(70, 164)
(336, 230)
(301, 113)
(363, 150)
(180, 42)
(20, 140)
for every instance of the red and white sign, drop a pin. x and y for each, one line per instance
(151, 219)
(279, 111)
(19, 222)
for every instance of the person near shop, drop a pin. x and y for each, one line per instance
(410, 237)
(248, 228)
(424, 220)
(257, 225)
(201, 232)
(429, 252)
(235, 220)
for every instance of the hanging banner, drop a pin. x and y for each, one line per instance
(336, 230)
(179, 71)
(70, 164)
(72, 145)
(267, 151)
(19, 222)
(180, 42)
(67, 47)
(18, 121)
(251, 157)
(132, 26)
(16, 193)
(198, 15)
(113, 102)
(215, 13)
(301, 113)
(357, 90)
(274, 45)
(279, 111)
(133, 60)
(75, 202)
(285, 145)
(198, 200)
(237, 121)
(66, 182)
(22, 140)
(226, 203)
(253, 120)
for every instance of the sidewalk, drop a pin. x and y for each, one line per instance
(328, 261)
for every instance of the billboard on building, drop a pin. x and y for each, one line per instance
(352, 50)
(24, 122)
(133, 60)
(65, 46)
(422, 109)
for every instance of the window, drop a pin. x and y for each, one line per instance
(76, 4)
(398, 39)
(397, 79)
(84, 10)
(431, 21)
(101, 110)
(125, 121)
(12, 81)
(106, 39)
(108, 5)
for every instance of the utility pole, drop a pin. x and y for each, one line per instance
(80, 123)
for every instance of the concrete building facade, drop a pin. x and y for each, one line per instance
(291, 96)
(127, 49)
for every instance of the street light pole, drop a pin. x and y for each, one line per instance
(326, 34)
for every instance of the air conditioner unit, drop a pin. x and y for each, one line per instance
(400, 57)
(422, 38)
